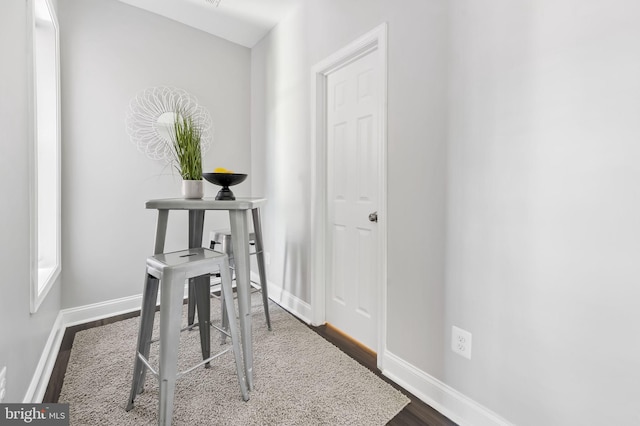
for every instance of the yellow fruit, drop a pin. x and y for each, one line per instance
(222, 170)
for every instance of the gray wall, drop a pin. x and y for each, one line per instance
(22, 335)
(110, 52)
(281, 162)
(513, 125)
(513, 129)
(543, 236)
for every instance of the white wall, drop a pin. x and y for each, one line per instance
(543, 230)
(281, 78)
(513, 128)
(22, 335)
(110, 52)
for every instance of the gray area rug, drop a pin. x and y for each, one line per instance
(300, 379)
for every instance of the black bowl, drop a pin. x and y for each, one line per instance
(225, 180)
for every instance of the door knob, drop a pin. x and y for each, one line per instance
(373, 217)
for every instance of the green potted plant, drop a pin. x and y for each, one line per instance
(185, 138)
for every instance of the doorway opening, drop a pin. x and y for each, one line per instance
(322, 274)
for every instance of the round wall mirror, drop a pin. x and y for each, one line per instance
(151, 115)
(164, 125)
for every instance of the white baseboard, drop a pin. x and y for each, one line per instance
(442, 397)
(288, 301)
(96, 311)
(40, 380)
(66, 318)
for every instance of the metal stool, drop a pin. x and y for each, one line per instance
(223, 238)
(171, 270)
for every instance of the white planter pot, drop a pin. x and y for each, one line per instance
(192, 189)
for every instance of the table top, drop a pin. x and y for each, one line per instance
(205, 204)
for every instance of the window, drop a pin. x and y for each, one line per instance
(45, 154)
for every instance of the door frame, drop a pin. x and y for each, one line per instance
(374, 40)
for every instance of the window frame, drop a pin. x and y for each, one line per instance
(43, 279)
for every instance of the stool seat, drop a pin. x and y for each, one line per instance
(192, 262)
(170, 271)
(223, 237)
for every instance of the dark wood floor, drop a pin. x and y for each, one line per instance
(417, 413)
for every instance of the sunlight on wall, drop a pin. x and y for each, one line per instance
(287, 156)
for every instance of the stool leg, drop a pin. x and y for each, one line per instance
(202, 289)
(257, 229)
(170, 318)
(196, 223)
(225, 316)
(225, 276)
(151, 300)
(226, 248)
(147, 315)
(191, 303)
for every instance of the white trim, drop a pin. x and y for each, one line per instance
(287, 300)
(67, 318)
(375, 39)
(97, 311)
(442, 397)
(318, 195)
(38, 292)
(34, 300)
(40, 380)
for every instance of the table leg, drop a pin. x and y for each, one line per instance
(199, 287)
(257, 229)
(240, 242)
(202, 291)
(196, 225)
(161, 231)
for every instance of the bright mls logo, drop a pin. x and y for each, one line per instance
(34, 414)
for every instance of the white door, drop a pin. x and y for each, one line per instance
(352, 191)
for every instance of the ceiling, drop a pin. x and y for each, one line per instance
(244, 22)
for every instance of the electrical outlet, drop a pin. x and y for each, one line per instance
(461, 342)
(267, 258)
(3, 383)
